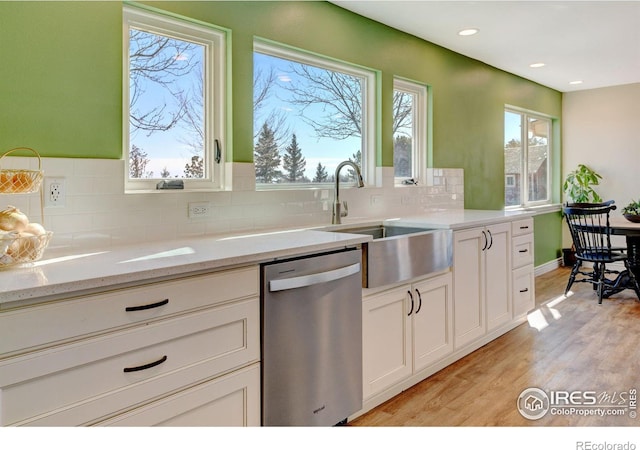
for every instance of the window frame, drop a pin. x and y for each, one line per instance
(525, 115)
(369, 97)
(214, 39)
(419, 129)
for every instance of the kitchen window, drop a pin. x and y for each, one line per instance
(174, 113)
(527, 158)
(310, 114)
(409, 131)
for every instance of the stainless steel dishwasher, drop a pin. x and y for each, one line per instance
(312, 339)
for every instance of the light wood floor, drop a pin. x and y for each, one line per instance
(579, 345)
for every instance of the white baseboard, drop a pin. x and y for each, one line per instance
(548, 266)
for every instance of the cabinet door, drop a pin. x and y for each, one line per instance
(432, 321)
(522, 250)
(386, 332)
(523, 290)
(229, 401)
(498, 275)
(468, 279)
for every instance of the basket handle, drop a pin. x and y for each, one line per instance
(7, 153)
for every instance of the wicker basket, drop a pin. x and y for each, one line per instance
(32, 249)
(20, 181)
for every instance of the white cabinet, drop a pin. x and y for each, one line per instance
(432, 321)
(92, 359)
(482, 281)
(405, 329)
(523, 268)
(227, 401)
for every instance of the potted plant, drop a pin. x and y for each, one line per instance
(578, 188)
(632, 211)
(578, 184)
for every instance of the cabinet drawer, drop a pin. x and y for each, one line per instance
(523, 291)
(78, 383)
(522, 250)
(523, 226)
(33, 327)
(228, 401)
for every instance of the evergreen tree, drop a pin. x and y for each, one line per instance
(321, 175)
(402, 156)
(195, 169)
(138, 163)
(266, 157)
(293, 162)
(351, 174)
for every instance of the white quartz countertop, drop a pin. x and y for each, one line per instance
(459, 219)
(85, 271)
(60, 275)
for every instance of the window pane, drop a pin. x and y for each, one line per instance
(166, 115)
(307, 119)
(403, 133)
(537, 159)
(513, 158)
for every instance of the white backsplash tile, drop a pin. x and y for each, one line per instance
(97, 213)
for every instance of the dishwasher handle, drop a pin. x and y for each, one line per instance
(315, 278)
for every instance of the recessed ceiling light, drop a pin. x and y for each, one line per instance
(536, 65)
(575, 82)
(468, 32)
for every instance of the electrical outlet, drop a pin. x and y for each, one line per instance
(54, 192)
(199, 209)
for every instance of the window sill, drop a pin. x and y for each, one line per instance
(541, 209)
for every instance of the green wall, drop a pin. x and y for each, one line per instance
(61, 81)
(61, 78)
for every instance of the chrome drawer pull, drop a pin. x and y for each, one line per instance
(146, 366)
(149, 306)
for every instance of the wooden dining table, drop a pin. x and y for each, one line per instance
(631, 230)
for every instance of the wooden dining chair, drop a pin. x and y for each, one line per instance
(591, 234)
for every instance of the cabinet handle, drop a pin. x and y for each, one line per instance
(419, 301)
(149, 306)
(524, 290)
(524, 227)
(486, 241)
(146, 366)
(411, 297)
(523, 251)
(217, 151)
(491, 236)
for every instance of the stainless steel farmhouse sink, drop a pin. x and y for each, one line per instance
(401, 253)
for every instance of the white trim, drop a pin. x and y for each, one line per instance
(524, 169)
(548, 267)
(419, 125)
(214, 42)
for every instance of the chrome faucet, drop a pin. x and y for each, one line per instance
(337, 206)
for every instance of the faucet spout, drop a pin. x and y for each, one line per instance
(337, 206)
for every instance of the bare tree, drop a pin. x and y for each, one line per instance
(337, 94)
(402, 111)
(159, 60)
(193, 114)
(263, 86)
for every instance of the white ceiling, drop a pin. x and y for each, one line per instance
(597, 42)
